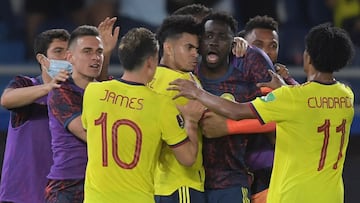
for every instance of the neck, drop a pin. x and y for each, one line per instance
(46, 78)
(168, 63)
(321, 77)
(134, 77)
(81, 80)
(214, 72)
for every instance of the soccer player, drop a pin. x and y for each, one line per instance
(262, 32)
(66, 176)
(28, 155)
(178, 37)
(127, 123)
(313, 120)
(227, 178)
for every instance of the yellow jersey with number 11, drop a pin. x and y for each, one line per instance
(312, 132)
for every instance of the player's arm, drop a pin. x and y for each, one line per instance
(214, 125)
(109, 36)
(18, 97)
(76, 128)
(224, 107)
(229, 109)
(284, 73)
(186, 152)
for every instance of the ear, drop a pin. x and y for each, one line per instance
(43, 60)
(307, 58)
(39, 57)
(167, 48)
(68, 56)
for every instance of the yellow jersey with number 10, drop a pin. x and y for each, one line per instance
(126, 124)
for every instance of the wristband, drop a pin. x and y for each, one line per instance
(265, 90)
(248, 126)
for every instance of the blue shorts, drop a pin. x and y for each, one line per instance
(182, 195)
(65, 191)
(229, 195)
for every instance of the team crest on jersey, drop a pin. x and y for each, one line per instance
(180, 121)
(269, 97)
(228, 96)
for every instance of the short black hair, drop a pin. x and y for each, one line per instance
(241, 33)
(198, 11)
(265, 22)
(44, 39)
(330, 48)
(223, 17)
(175, 25)
(81, 31)
(135, 46)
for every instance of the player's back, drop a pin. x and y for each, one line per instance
(125, 128)
(311, 144)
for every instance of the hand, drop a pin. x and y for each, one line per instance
(187, 88)
(282, 70)
(213, 125)
(240, 46)
(107, 35)
(62, 76)
(276, 81)
(192, 111)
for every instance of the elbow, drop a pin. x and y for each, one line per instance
(188, 162)
(5, 102)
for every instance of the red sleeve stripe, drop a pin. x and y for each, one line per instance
(256, 113)
(180, 143)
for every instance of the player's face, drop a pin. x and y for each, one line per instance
(87, 57)
(185, 52)
(57, 49)
(216, 43)
(265, 39)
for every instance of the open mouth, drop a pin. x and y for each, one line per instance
(212, 57)
(97, 66)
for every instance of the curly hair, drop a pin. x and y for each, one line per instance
(198, 11)
(330, 48)
(265, 22)
(175, 25)
(223, 17)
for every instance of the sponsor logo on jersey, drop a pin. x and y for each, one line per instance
(268, 98)
(180, 121)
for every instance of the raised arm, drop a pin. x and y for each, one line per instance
(109, 36)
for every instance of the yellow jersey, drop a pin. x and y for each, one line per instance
(126, 124)
(170, 175)
(312, 132)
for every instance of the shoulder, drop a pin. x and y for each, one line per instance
(257, 55)
(22, 81)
